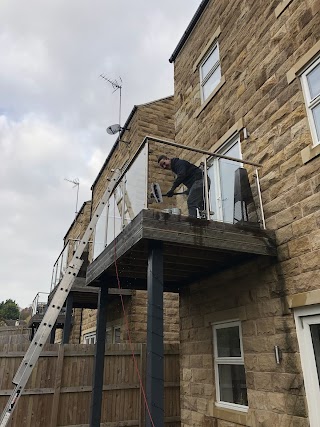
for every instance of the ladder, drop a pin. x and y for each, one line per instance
(62, 291)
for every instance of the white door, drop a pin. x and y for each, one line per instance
(308, 331)
(221, 173)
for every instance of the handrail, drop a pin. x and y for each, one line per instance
(198, 150)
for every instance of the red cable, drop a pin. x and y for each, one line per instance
(126, 318)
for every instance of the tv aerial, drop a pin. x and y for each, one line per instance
(116, 85)
(76, 183)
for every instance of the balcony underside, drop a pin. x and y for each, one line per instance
(192, 249)
(37, 319)
(87, 297)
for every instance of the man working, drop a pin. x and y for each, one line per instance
(189, 175)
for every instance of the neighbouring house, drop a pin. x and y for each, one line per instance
(156, 119)
(77, 321)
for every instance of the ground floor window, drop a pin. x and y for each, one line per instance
(230, 377)
(113, 336)
(89, 338)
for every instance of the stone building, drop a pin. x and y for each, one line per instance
(247, 85)
(154, 118)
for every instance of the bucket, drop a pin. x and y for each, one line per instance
(176, 211)
(173, 211)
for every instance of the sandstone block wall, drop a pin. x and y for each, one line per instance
(136, 311)
(257, 49)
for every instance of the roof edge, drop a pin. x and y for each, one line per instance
(189, 30)
(115, 145)
(78, 214)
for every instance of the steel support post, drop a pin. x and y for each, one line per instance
(155, 370)
(97, 380)
(53, 334)
(68, 318)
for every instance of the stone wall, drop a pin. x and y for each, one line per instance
(78, 228)
(136, 312)
(138, 317)
(152, 119)
(257, 49)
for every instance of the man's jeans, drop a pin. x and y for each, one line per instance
(195, 198)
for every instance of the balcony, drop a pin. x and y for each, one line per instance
(81, 296)
(228, 231)
(39, 307)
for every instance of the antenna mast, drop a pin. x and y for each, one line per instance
(115, 86)
(76, 183)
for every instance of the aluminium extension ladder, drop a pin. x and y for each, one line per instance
(62, 291)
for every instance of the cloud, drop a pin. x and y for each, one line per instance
(54, 109)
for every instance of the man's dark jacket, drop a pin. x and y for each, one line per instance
(186, 172)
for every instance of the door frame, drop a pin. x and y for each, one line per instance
(214, 163)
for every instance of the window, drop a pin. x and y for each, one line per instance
(117, 335)
(230, 375)
(210, 72)
(113, 335)
(89, 338)
(308, 331)
(310, 79)
(221, 173)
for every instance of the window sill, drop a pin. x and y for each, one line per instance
(207, 101)
(231, 415)
(310, 153)
(281, 7)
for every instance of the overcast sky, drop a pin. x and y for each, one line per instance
(54, 109)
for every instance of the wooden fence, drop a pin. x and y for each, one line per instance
(58, 392)
(14, 335)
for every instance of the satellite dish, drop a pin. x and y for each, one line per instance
(113, 129)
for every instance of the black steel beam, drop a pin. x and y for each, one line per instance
(97, 381)
(155, 369)
(67, 323)
(53, 334)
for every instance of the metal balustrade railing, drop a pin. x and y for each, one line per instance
(231, 188)
(39, 303)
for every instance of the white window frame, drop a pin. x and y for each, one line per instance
(214, 163)
(89, 336)
(310, 103)
(226, 361)
(304, 317)
(116, 328)
(216, 65)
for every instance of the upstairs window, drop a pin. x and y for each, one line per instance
(210, 72)
(310, 79)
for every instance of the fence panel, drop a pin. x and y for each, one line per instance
(58, 392)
